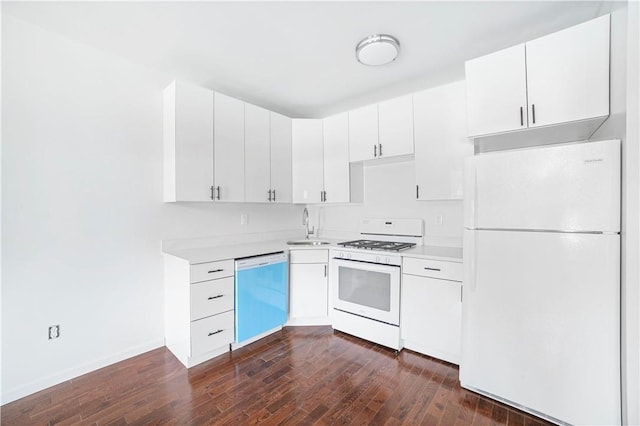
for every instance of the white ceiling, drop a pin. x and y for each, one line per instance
(298, 57)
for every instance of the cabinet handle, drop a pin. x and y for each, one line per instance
(214, 271)
(325, 196)
(269, 192)
(375, 150)
(325, 271)
(274, 194)
(433, 269)
(533, 113)
(379, 150)
(212, 197)
(215, 332)
(460, 294)
(417, 192)
(521, 116)
(217, 192)
(215, 297)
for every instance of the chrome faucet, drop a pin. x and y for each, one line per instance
(305, 222)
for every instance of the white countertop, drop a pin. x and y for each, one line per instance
(450, 254)
(235, 251)
(230, 251)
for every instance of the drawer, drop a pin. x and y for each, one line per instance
(212, 270)
(432, 268)
(211, 297)
(211, 333)
(308, 256)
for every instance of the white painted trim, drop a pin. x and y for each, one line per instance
(71, 373)
(238, 345)
(299, 322)
(433, 352)
(199, 359)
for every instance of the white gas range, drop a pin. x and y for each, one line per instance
(365, 279)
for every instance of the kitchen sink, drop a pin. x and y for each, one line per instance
(307, 243)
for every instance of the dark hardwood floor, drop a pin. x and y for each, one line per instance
(302, 375)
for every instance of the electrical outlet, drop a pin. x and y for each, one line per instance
(244, 218)
(439, 219)
(54, 332)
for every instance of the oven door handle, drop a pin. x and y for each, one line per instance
(369, 266)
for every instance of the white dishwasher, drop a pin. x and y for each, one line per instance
(262, 294)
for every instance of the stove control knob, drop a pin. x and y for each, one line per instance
(387, 260)
(348, 255)
(341, 254)
(378, 259)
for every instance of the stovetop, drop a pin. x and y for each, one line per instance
(377, 245)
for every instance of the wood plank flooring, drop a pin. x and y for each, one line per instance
(302, 375)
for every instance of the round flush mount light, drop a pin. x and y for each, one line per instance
(377, 49)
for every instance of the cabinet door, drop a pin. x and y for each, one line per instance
(307, 160)
(431, 315)
(336, 158)
(496, 92)
(229, 147)
(308, 290)
(441, 142)
(568, 74)
(395, 124)
(188, 142)
(257, 154)
(281, 157)
(363, 133)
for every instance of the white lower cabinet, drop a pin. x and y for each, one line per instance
(199, 308)
(431, 307)
(308, 287)
(211, 333)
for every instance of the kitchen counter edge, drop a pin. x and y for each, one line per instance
(236, 251)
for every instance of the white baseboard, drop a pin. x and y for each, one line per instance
(294, 322)
(453, 358)
(62, 376)
(238, 345)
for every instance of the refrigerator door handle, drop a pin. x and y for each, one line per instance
(469, 201)
(470, 257)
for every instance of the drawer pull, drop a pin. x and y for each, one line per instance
(215, 332)
(433, 269)
(215, 297)
(214, 271)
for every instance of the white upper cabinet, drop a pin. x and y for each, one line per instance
(229, 148)
(441, 142)
(568, 74)
(280, 158)
(188, 142)
(497, 92)
(395, 126)
(363, 133)
(256, 154)
(307, 160)
(267, 160)
(381, 130)
(562, 78)
(336, 159)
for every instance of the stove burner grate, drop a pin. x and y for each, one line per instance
(377, 245)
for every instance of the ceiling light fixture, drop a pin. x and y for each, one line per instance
(377, 49)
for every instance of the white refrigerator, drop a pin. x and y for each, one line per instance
(541, 298)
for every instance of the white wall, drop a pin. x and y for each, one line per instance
(631, 223)
(390, 191)
(623, 124)
(82, 211)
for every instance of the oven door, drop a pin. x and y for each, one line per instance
(367, 289)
